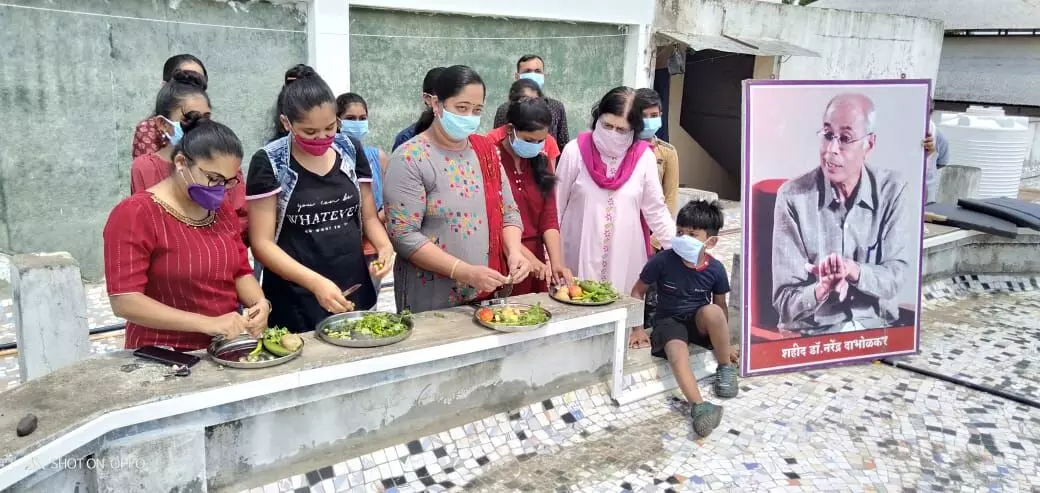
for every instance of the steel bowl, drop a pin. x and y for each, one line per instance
(227, 351)
(359, 341)
(506, 327)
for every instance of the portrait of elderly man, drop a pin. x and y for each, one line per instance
(842, 242)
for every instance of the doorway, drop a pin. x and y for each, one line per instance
(710, 113)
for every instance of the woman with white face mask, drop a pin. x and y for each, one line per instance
(450, 211)
(607, 189)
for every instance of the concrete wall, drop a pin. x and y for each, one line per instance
(596, 11)
(73, 86)
(991, 70)
(250, 442)
(575, 72)
(852, 46)
(282, 443)
(983, 254)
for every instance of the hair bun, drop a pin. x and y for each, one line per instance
(298, 72)
(190, 78)
(193, 120)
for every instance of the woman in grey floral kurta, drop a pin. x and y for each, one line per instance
(435, 195)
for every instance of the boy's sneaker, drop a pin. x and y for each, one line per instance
(706, 417)
(726, 381)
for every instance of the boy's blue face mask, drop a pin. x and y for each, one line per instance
(688, 248)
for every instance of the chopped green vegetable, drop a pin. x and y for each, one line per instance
(371, 325)
(273, 341)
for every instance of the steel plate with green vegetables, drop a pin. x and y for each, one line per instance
(512, 317)
(586, 293)
(366, 329)
(275, 346)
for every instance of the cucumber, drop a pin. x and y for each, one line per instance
(276, 349)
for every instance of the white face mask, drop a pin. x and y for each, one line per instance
(688, 247)
(610, 143)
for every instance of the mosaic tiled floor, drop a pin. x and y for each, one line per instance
(861, 428)
(871, 428)
(984, 329)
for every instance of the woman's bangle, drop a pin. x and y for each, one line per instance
(454, 266)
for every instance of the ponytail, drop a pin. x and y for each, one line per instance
(424, 122)
(182, 85)
(302, 90)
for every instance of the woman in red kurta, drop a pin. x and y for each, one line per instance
(175, 264)
(528, 155)
(184, 93)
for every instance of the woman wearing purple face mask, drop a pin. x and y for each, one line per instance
(175, 264)
(310, 202)
(607, 188)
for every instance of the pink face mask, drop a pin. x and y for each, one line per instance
(610, 143)
(314, 147)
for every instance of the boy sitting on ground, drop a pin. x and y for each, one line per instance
(691, 307)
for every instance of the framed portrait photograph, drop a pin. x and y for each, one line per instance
(833, 197)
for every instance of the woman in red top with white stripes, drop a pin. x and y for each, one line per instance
(175, 264)
(184, 93)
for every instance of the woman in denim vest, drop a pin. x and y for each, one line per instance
(310, 204)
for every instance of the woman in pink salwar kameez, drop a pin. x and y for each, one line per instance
(609, 196)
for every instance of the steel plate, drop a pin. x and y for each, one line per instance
(359, 342)
(226, 352)
(510, 328)
(584, 303)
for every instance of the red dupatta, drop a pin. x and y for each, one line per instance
(491, 168)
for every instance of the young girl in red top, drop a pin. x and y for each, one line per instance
(528, 156)
(175, 264)
(148, 137)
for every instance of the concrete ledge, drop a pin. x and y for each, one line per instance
(971, 252)
(49, 304)
(448, 370)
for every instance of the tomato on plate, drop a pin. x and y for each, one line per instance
(485, 314)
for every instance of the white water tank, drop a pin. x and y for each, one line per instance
(985, 138)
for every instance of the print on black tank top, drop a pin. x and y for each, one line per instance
(322, 231)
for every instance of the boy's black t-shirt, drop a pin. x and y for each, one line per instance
(682, 290)
(321, 230)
